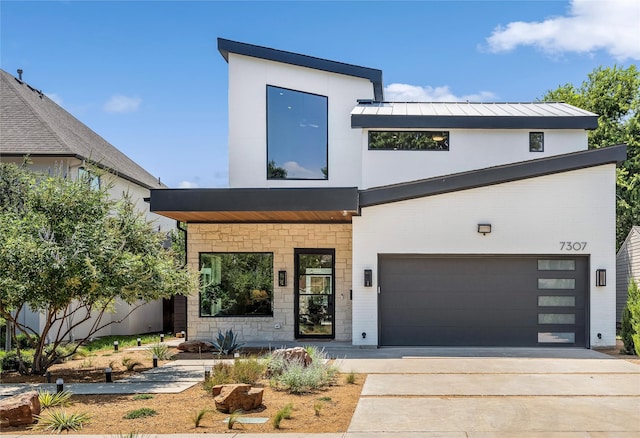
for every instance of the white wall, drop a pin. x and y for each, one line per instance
(248, 78)
(469, 149)
(528, 217)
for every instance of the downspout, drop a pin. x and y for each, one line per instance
(186, 314)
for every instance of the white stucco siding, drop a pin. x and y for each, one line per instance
(532, 216)
(248, 79)
(469, 149)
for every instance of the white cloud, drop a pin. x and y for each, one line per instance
(55, 97)
(415, 93)
(188, 185)
(122, 104)
(294, 170)
(612, 25)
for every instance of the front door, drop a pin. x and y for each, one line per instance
(314, 286)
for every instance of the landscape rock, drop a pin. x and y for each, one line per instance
(20, 409)
(196, 346)
(290, 354)
(229, 398)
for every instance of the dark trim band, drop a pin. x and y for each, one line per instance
(276, 199)
(374, 75)
(474, 122)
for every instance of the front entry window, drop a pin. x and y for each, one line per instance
(236, 284)
(314, 293)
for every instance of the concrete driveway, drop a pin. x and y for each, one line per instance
(508, 392)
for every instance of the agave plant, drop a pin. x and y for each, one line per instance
(227, 343)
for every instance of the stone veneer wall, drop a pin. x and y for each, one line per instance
(281, 240)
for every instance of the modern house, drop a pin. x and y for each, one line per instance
(378, 223)
(33, 125)
(627, 268)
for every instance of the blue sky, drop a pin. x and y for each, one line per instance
(148, 78)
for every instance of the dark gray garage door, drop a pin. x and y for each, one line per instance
(483, 301)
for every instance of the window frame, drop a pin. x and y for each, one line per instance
(445, 134)
(201, 287)
(91, 177)
(326, 134)
(532, 141)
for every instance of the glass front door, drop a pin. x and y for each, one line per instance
(314, 286)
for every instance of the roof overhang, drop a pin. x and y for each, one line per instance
(317, 205)
(374, 75)
(473, 122)
(493, 175)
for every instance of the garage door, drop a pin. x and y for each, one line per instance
(483, 301)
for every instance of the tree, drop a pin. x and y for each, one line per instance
(630, 330)
(275, 172)
(613, 94)
(69, 253)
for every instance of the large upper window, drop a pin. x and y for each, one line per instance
(236, 284)
(296, 135)
(409, 140)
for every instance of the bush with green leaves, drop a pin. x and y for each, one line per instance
(53, 399)
(293, 376)
(11, 361)
(248, 370)
(227, 343)
(60, 421)
(161, 351)
(140, 413)
(630, 329)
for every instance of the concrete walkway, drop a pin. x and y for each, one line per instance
(451, 393)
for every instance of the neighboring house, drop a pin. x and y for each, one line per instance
(378, 223)
(55, 141)
(627, 269)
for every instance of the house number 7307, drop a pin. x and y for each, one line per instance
(573, 246)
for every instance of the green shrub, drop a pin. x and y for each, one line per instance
(247, 370)
(10, 360)
(140, 413)
(221, 374)
(53, 399)
(283, 414)
(233, 418)
(143, 396)
(227, 343)
(351, 378)
(199, 415)
(293, 376)
(58, 421)
(630, 329)
(26, 341)
(161, 351)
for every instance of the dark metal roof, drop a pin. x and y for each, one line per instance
(493, 175)
(256, 205)
(32, 124)
(472, 115)
(375, 76)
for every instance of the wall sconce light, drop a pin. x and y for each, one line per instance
(282, 278)
(368, 278)
(484, 229)
(601, 277)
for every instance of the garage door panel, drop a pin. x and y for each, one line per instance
(482, 301)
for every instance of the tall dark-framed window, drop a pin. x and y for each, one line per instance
(297, 135)
(536, 142)
(236, 284)
(91, 178)
(408, 140)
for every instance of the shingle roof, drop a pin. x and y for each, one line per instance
(535, 115)
(31, 123)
